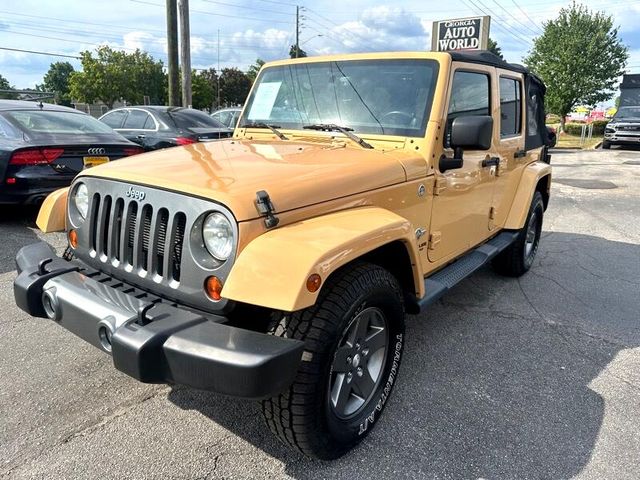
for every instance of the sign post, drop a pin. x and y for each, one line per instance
(461, 34)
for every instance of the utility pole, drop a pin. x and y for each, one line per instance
(172, 52)
(297, 30)
(185, 52)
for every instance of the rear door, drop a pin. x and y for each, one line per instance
(511, 145)
(462, 197)
(139, 127)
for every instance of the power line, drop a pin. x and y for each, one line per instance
(250, 8)
(516, 19)
(527, 15)
(40, 53)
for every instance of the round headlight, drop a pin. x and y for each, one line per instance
(217, 234)
(81, 200)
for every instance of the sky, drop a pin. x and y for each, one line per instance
(266, 28)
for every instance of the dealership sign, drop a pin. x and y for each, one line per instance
(461, 34)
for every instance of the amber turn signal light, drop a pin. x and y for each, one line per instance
(73, 239)
(213, 287)
(313, 282)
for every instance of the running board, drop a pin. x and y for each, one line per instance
(442, 281)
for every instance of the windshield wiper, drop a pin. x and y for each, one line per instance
(332, 127)
(273, 128)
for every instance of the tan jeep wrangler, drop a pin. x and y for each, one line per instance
(278, 265)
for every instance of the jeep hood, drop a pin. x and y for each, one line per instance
(294, 174)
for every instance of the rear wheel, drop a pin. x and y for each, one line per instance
(354, 338)
(517, 259)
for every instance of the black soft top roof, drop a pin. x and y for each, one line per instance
(487, 58)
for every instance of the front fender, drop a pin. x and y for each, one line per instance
(272, 270)
(53, 212)
(527, 187)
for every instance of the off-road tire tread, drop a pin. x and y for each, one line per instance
(510, 261)
(286, 414)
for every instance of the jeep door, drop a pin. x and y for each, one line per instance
(462, 197)
(511, 145)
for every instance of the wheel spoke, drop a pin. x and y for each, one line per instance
(364, 384)
(341, 393)
(340, 363)
(377, 340)
(362, 327)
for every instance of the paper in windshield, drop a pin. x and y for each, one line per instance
(263, 100)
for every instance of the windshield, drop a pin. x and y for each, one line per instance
(188, 118)
(627, 112)
(390, 97)
(48, 122)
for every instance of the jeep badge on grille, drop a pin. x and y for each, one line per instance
(135, 194)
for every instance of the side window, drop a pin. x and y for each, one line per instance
(469, 96)
(136, 120)
(114, 119)
(149, 124)
(510, 107)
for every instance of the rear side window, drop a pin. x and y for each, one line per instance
(114, 119)
(469, 96)
(136, 120)
(510, 107)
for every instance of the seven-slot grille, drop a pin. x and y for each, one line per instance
(133, 234)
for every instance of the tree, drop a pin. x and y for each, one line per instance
(234, 86)
(56, 80)
(114, 75)
(493, 47)
(203, 93)
(5, 85)
(580, 58)
(252, 73)
(292, 52)
(211, 76)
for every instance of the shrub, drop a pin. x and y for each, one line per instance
(552, 118)
(575, 128)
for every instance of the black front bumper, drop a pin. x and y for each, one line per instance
(153, 342)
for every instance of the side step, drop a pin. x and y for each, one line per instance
(442, 281)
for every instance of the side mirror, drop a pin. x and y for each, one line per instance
(470, 133)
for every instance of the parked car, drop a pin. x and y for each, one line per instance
(228, 116)
(552, 137)
(43, 146)
(278, 266)
(624, 128)
(154, 127)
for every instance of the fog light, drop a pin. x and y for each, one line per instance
(213, 287)
(73, 239)
(50, 304)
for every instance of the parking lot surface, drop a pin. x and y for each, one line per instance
(537, 377)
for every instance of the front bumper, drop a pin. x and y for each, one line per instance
(623, 137)
(151, 340)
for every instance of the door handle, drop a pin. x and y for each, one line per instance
(520, 154)
(141, 137)
(491, 162)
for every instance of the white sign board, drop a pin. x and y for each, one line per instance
(461, 34)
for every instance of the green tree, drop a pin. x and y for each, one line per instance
(493, 47)
(292, 52)
(252, 73)
(580, 58)
(211, 76)
(234, 86)
(56, 80)
(5, 85)
(202, 91)
(114, 75)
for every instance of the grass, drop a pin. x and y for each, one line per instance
(573, 141)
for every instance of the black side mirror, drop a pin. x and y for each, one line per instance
(467, 133)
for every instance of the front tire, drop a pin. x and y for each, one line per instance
(606, 145)
(354, 338)
(518, 257)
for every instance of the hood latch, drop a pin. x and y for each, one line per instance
(265, 208)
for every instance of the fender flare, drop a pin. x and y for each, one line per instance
(52, 216)
(272, 270)
(531, 175)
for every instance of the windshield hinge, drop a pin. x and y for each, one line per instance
(265, 208)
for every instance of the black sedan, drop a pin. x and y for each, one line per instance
(154, 127)
(43, 146)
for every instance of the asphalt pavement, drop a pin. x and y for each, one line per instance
(537, 377)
